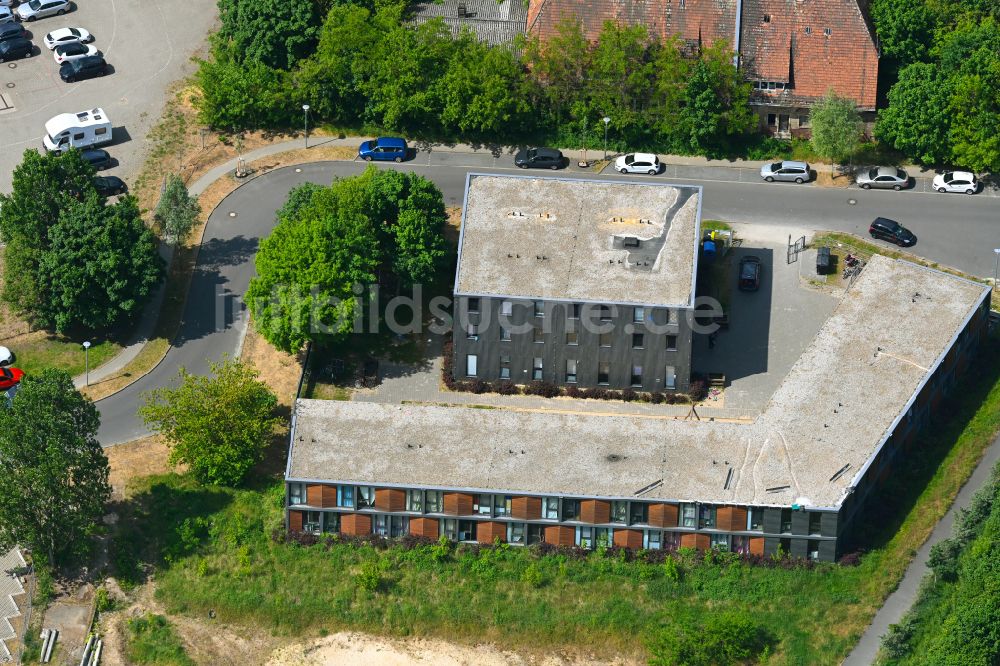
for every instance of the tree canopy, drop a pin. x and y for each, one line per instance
(836, 127)
(177, 211)
(55, 473)
(218, 425)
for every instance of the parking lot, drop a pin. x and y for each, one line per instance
(147, 43)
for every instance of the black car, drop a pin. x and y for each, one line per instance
(749, 273)
(889, 230)
(18, 47)
(97, 158)
(109, 185)
(9, 31)
(538, 158)
(85, 68)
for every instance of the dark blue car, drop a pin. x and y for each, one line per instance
(383, 148)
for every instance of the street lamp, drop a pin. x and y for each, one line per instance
(996, 267)
(86, 356)
(305, 115)
(607, 121)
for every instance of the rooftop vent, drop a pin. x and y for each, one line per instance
(630, 241)
(646, 489)
(614, 457)
(778, 489)
(840, 472)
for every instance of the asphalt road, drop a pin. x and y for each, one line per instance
(147, 42)
(957, 230)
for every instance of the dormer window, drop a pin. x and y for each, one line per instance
(827, 31)
(809, 30)
(767, 18)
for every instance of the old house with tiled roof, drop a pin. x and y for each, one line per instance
(792, 50)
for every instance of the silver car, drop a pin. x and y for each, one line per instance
(789, 171)
(882, 178)
(36, 9)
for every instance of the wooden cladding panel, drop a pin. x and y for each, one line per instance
(559, 535)
(321, 496)
(458, 504)
(355, 524)
(526, 508)
(595, 511)
(295, 519)
(488, 532)
(390, 499)
(756, 545)
(424, 527)
(732, 518)
(628, 538)
(663, 515)
(699, 541)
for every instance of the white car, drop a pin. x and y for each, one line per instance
(73, 51)
(6, 15)
(956, 181)
(6, 356)
(67, 36)
(36, 9)
(638, 163)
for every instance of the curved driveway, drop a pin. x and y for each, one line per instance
(953, 230)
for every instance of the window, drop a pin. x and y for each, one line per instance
(472, 332)
(467, 530)
(786, 520)
(345, 497)
(536, 368)
(755, 519)
(331, 522)
(473, 304)
(812, 549)
(572, 338)
(449, 529)
(682, 4)
(827, 31)
(671, 343)
(433, 501)
(504, 366)
(584, 537)
(652, 539)
(100, 131)
(671, 540)
(313, 522)
(638, 340)
(506, 308)
(539, 308)
(516, 533)
(296, 493)
(550, 508)
(603, 372)
(366, 497)
(536, 335)
(739, 544)
(504, 333)
(707, 517)
(636, 379)
(570, 509)
(605, 312)
(390, 526)
(483, 505)
(803, 121)
(502, 505)
(815, 522)
(671, 316)
(772, 119)
(77, 137)
(688, 515)
(670, 378)
(638, 513)
(767, 18)
(619, 511)
(604, 340)
(638, 315)
(574, 311)
(414, 500)
(570, 371)
(720, 541)
(536, 534)
(471, 365)
(809, 30)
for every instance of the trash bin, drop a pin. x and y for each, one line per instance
(823, 261)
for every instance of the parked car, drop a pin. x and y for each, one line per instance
(383, 148)
(97, 158)
(109, 185)
(638, 163)
(538, 158)
(12, 30)
(36, 9)
(85, 68)
(882, 178)
(67, 36)
(793, 172)
(73, 51)
(749, 273)
(9, 377)
(7, 16)
(956, 181)
(889, 230)
(6, 356)
(18, 47)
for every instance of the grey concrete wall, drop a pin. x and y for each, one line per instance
(554, 350)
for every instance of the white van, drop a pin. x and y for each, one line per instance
(77, 130)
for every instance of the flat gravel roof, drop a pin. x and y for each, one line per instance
(835, 408)
(579, 240)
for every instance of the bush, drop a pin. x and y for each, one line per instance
(943, 559)
(542, 388)
(573, 392)
(369, 578)
(629, 394)
(698, 390)
(532, 576)
(507, 388)
(725, 637)
(152, 640)
(896, 641)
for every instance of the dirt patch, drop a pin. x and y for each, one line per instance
(131, 460)
(277, 369)
(71, 616)
(833, 179)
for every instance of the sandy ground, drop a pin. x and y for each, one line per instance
(141, 457)
(279, 370)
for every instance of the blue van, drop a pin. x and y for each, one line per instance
(383, 148)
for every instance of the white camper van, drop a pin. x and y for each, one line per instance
(77, 130)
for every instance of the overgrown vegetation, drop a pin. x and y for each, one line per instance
(153, 641)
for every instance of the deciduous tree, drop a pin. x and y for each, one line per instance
(836, 127)
(276, 33)
(55, 473)
(177, 211)
(918, 120)
(218, 425)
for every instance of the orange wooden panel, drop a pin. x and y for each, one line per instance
(699, 541)
(724, 517)
(355, 524)
(295, 519)
(756, 545)
(489, 531)
(424, 527)
(595, 511)
(663, 515)
(739, 518)
(526, 508)
(458, 504)
(389, 499)
(559, 535)
(628, 538)
(314, 495)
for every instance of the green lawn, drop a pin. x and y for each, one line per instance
(59, 352)
(153, 641)
(214, 550)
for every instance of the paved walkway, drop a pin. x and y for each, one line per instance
(902, 599)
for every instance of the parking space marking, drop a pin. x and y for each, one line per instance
(5, 105)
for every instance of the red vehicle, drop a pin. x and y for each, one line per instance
(10, 377)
